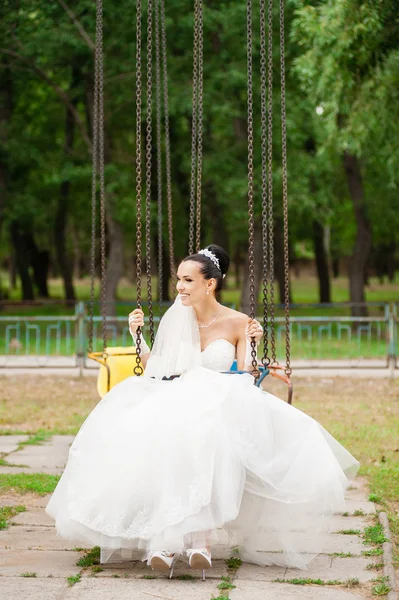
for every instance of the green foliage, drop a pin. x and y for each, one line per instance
(342, 56)
(234, 563)
(28, 575)
(22, 483)
(8, 512)
(74, 579)
(92, 557)
(374, 535)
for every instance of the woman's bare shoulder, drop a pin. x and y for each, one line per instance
(239, 318)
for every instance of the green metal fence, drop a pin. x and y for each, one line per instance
(321, 336)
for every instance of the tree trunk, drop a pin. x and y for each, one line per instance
(166, 274)
(335, 267)
(114, 268)
(362, 245)
(22, 260)
(245, 300)
(5, 116)
(40, 261)
(279, 261)
(323, 272)
(61, 215)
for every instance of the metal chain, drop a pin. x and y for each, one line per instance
(102, 179)
(285, 194)
(138, 369)
(94, 175)
(167, 142)
(265, 253)
(200, 101)
(251, 215)
(270, 176)
(148, 171)
(159, 155)
(193, 132)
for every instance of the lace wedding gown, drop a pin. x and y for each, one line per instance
(208, 456)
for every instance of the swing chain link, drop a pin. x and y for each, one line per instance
(167, 142)
(251, 214)
(138, 369)
(148, 172)
(265, 274)
(102, 177)
(270, 178)
(193, 132)
(159, 155)
(95, 126)
(288, 369)
(200, 100)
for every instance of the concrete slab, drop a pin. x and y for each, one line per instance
(49, 457)
(251, 572)
(138, 569)
(21, 537)
(367, 507)
(262, 590)
(9, 443)
(36, 518)
(21, 588)
(46, 563)
(141, 589)
(329, 568)
(357, 523)
(342, 543)
(42, 501)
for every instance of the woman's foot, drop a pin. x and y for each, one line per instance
(162, 561)
(199, 558)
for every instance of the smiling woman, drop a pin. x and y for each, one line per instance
(215, 456)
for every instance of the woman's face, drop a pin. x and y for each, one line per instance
(192, 285)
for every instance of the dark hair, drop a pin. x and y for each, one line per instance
(208, 269)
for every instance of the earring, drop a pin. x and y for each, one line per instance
(207, 292)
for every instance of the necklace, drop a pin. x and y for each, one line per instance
(209, 324)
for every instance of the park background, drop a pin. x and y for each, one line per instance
(342, 70)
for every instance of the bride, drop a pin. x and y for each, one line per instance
(176, 465)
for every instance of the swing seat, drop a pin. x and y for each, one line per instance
(116, 364)
(277, 371)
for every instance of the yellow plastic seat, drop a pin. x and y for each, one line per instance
(116, 364)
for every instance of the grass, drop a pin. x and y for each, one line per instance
(8, 512)
(364, 416)
(74, 579)
(342, 554)
(310, 581)
(28, 575)
(348, 531)
(23, 483)
(5, 463)
(91, 558)
(187, 577)
(234, 563)
(36, 439)
(373, 552)
(374, 535)
(381, 587)
(225, 584)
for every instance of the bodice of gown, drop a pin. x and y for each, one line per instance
(219, 355)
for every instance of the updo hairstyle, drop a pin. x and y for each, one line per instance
(208, 269)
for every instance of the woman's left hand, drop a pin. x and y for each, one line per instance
(254, 330)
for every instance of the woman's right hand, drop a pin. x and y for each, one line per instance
(136, 320)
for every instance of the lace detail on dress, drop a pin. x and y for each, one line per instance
(219, 355)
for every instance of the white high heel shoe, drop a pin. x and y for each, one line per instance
(199, 558)
(162, 561)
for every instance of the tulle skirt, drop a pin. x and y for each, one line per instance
(207, 458)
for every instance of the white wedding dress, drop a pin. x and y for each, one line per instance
(207, 457)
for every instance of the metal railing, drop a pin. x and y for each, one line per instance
(321, 338)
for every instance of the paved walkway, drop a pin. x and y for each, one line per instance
(30, 545)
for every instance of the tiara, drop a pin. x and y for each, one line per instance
(211, 257)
